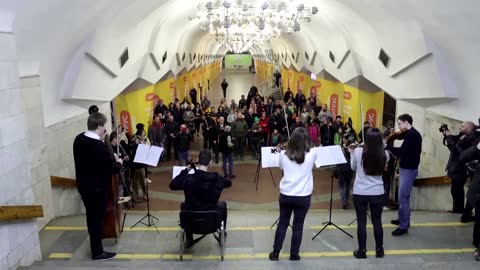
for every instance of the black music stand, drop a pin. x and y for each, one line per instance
(335, 156)
(148, 155)
(257, 174)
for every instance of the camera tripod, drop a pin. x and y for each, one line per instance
(150, 218)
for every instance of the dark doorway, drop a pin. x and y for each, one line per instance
(389, 109)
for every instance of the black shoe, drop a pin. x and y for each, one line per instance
(399, 232)
(397, 222)
(360, 254)
(225, 176)
(294, 257)
(232, 176)
(105, 256)
(345, 205)
(273, 256)
(379, 253)
(467, 218)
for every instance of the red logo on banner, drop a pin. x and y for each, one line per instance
(126, 121)
(318, 84)
(372, 117)
(301, 78)
(185, 78)
(149, 96)
(347, 95)
(193, 75)
(156, 99)
(313, 91)
(334, 105)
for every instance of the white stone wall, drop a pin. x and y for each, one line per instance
(24, 176)
(434, 156)
(60, 139)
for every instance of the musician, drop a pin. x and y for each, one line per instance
(369, 163)
(409, 155)
(296, 189)
(202, 189)
(93, 169)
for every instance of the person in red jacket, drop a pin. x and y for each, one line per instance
(264, 126)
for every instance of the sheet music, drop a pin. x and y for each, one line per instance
(329, 155)
(178, 169)
(269, 159)
(154, 155)
(142, 153)
(148, 155)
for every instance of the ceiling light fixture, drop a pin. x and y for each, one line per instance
(241, 24)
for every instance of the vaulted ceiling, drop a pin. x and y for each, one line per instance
(75, 46)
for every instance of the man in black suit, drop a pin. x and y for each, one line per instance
(93, 169)
(202, 189)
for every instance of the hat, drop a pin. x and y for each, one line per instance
(140, 126)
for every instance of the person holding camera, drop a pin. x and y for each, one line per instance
(369, 163)
(455, 169)
(202, 189)
(296, 189)
(473, 194)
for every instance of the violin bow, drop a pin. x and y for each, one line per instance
(362, 121)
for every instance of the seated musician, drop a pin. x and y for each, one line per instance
(202, 189)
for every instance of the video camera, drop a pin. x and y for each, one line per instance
(443, 128)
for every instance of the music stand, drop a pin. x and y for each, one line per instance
(330, 156)
(257, 174)
(148, 155)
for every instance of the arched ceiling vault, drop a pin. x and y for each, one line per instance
(75, 65)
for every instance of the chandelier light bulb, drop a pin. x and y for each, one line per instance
(209, 6)
(227, 4)
(264, 5)
(300, 8)
(314, 10)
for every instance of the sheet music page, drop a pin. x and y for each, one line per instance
(141, 154)
(178, 169)
(154, 155)
(329, 155)
(269, 159)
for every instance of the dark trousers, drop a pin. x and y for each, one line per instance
(170, 143)
(227, 158)
(387, 183)
(476, 226)
(299, 205)
(239, 145)
(95, 204)
(376, 206)
(224, 92)
(221, 210)
(458, 192)
(344, 183)
(197, 125)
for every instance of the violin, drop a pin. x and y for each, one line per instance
(399, 135)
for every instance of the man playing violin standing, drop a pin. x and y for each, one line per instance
(409, 155)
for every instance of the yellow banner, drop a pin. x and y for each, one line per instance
(137, 106)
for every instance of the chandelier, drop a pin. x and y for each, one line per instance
(241, 24)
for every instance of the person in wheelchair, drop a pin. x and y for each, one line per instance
(202, 189)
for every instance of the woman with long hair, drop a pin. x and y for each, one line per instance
(296, 189)
(369, 163)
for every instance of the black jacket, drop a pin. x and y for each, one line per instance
(202, 189)
(183, 141)
(223, 142)
(456, 144)
(171, 127)
(160, 109)
(465, 157)
(93, 164)
(328, 134)
(410, 151)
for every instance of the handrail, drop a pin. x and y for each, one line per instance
(432, 181)
(16, 212)
(58, 181)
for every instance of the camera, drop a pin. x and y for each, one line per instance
(443, 128)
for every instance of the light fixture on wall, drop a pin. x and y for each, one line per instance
(241, 24)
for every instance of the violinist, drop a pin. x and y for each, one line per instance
(409, 155)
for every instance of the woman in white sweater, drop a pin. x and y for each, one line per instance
(369, 163)
(295, 190)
